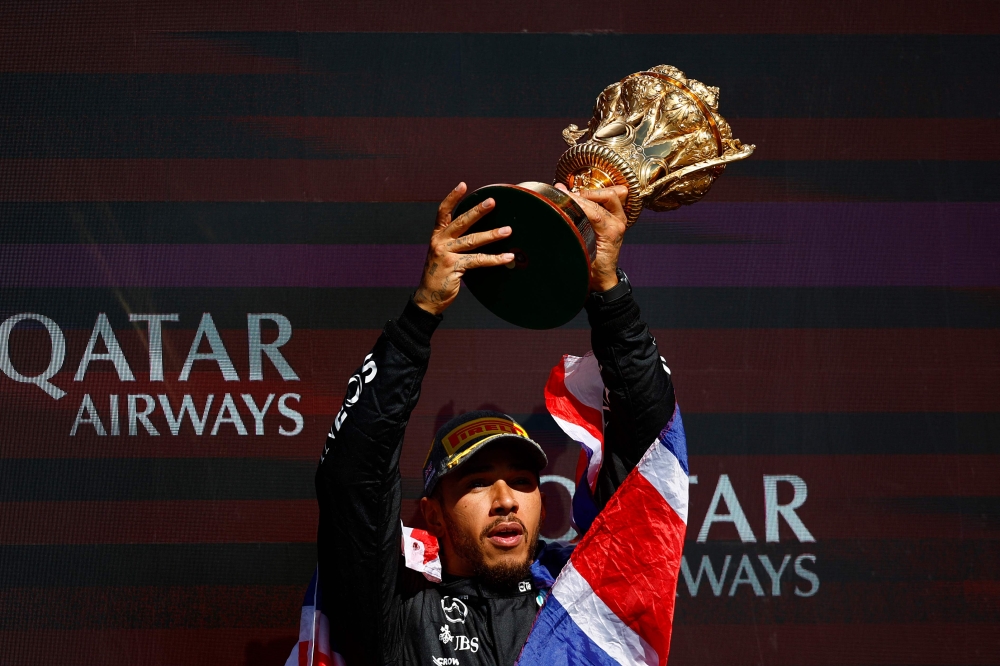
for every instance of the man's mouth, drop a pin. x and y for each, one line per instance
(506, 535)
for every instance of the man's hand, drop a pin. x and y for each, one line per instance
(446, 262)
(604, 209)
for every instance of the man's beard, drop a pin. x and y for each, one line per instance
(503, 574)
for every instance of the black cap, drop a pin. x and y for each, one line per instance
(461, 438)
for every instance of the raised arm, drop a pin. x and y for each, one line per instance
(639, 396)
(358, 488)
(358, 481)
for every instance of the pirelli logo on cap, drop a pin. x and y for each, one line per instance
(477, 429)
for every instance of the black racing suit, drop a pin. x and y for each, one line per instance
(383, 613)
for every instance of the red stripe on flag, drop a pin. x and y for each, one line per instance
(631, 557)
(562, 404)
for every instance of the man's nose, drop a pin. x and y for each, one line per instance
(504, 501)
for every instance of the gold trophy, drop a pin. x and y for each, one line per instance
(656, 132)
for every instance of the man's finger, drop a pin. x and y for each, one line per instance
(610, 198)
(472, 241)
(592, 210)
(448, 205)
(461, 223)
(482, 260)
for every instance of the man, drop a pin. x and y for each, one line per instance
(481, 480)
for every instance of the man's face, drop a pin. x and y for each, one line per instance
(487, 515)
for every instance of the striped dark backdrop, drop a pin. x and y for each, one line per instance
(830, 310)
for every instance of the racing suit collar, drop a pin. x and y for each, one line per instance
(456, 586)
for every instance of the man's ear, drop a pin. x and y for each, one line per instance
(430, 508)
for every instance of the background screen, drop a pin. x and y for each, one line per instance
(245, 174)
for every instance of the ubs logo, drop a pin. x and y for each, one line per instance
(454, 609)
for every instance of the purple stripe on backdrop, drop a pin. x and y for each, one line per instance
(800, 244)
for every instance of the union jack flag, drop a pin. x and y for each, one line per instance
(613, 603)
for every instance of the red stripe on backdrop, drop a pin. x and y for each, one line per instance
(237, 521)
(196, 606)
(856, 497)
(915, 644)
(148, 607)
(858, 477)
(848, 498)
(716, 371)
(169, 647)
(105, 49)
(421, 159)
(923, 643)
(164, 522)
(105, 36)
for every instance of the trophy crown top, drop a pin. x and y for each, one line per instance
(659, 133)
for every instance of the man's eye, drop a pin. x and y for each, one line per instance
(477, 483)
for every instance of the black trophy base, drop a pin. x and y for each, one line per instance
(553, 245)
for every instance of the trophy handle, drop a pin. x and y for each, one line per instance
(741, 152)
(572, 134)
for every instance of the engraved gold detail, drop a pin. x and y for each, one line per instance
(658, 133)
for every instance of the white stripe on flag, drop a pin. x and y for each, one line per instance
(582, 436)
(664, 472)
(599, 622)
(583, 380)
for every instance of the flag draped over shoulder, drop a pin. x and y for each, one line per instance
(613, 603)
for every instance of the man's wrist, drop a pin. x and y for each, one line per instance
(620, 288)
(604, 282)
(411, 332)
(433, 309)
(613, 310)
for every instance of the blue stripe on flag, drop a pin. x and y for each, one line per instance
(556, 640)
(672, 437)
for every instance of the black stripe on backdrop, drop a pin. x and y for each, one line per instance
(882, 181)
(142, 479)
(290, 564)
(386, 74)
(157, 564)
(662, 307)
(149, 607)
(529, 144)
(139, 479)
